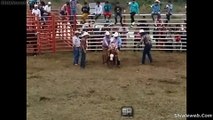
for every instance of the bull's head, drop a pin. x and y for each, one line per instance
(111, 56)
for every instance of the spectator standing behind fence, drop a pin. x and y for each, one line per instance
(155, 10)
(107, 11)
(36, 11)
(98, 10)
(73, 10)
(85, 10)
(169, 8)
(134, 9)
(118, 12)
(146, 39)
(83, 46)
(76, 47)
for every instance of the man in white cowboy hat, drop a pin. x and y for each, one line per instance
(146, 39)
(76, 47)
(83, 47)
(105, 46)
(116, 42)
(155, 9)
(36, 11)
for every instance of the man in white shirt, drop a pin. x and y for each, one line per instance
(98, 10)
(47, 8)
(76, 47)
(36, 11)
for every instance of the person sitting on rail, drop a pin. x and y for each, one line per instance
(63, 10)
(47, 9)
(85, 10)
(169, 8)
(36, 11)
(107, 11)
(155, 9)
(98, 10)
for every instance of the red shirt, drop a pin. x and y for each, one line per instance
(137, 36)
(68, 10)
(177, 38)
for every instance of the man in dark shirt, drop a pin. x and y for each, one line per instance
(83, 46)
(118, 12)
(146, 39)
(85, 10)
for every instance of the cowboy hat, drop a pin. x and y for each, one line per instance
(157, 1)
(77, 32)
(141, 31)
(85, 34)
(49, 3)
(115, 34)
(107, 33)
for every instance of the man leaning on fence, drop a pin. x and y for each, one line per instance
(146, 39)
(76, 47)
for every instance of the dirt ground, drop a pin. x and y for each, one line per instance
(57, 90)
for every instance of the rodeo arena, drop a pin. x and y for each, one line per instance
(87, 60)
(52, 30)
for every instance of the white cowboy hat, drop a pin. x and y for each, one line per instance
(157, 1)
(107, 33)
(35, 5)
(141, 31)
(85, 33)
(49, 3)
(77, 32)
(115, 34)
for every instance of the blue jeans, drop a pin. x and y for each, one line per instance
(146, 51)
(73, 13)
(153, 14)
(83, 59)
(76, 52)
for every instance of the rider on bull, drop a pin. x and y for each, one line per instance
(105, 46)
(116, 44)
